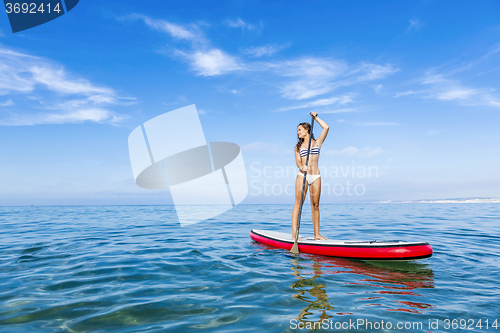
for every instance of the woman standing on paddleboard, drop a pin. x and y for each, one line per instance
(313, 178)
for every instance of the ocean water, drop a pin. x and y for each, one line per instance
(134, 269)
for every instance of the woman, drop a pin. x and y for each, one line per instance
(313, 178)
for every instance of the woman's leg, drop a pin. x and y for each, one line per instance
(295, 212)
(315, 193)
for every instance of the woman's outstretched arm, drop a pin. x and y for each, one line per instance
(324, 126)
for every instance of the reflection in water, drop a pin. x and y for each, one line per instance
(318, 300)
(391, 283)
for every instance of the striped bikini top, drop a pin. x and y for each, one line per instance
(314, 151)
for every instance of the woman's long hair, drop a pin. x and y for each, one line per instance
(307, 127)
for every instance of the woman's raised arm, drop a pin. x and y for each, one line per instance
(324, 126)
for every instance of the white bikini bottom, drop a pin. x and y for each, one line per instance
(310, 178)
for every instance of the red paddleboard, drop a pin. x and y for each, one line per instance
(366, 250)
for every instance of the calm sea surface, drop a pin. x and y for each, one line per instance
(134, 269)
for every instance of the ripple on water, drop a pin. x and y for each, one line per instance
(131, 269)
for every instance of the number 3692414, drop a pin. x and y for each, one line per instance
(30, 8)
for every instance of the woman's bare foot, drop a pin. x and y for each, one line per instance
(319, 237)
(293, 238)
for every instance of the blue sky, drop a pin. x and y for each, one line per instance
(409, 89)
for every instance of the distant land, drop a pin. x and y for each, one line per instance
(459, 200)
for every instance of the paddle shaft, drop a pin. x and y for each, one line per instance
(295, 248)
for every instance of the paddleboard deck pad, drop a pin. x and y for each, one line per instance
(365, 250)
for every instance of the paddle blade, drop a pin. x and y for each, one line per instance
(295, 248)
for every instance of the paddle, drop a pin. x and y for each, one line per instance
(295, 247)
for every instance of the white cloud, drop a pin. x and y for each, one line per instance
(228, 90)
(441, 85)
(495, 49)
(74, 117)
(302, 78)
(15, 73)
(180, 99)
(239, 23)
(354, 151)
(342, 110)
(328, 101)
(305, 88)
(22, 73)
(311, 67)
(203, 59)
(212, 62)
(491, 101)
(7, 103)
(376, 123)
(375, 72)
(434, 78)
(405, 93)
(266, 50)
(56, 79)
(174, 30)
(445, 89)
(414, 24)
(342, 100)
(313, 76)
(38, 83)
(456, 93)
